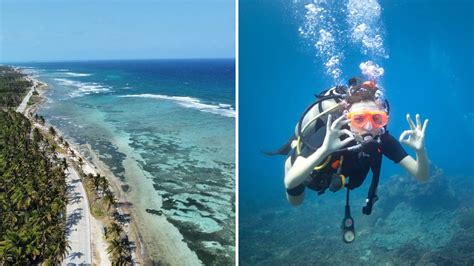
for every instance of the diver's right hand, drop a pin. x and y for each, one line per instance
(331, 141)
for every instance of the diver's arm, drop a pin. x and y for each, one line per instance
(417, 168)
(302, 167)
(294, 200)
(416, 140)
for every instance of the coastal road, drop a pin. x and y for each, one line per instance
(78, 227)
(21, 108)
(78, 224)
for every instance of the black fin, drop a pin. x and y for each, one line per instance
(284, 149)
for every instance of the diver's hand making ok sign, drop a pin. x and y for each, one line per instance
(332, 142)
(416, 136)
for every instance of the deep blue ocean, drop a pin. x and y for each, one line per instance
(165, 131)
(425, 49)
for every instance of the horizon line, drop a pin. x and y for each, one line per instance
(127, 59)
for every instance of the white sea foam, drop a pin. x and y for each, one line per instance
(77, 74)
(189, 102)
(223, 105)
(82, 88)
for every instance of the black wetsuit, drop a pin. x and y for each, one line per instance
(356, 164)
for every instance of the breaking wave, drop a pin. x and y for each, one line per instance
(72, 74)
(82, 88)
(189, 102)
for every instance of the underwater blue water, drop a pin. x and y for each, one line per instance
(166, 130)
(429, 71)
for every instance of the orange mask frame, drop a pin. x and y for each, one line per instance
(360, 118)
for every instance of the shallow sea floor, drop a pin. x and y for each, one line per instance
(175, 163)
(412, 224)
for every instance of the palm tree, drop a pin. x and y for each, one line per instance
(104, 183)
(119, 246)
(12, 248)
(96, 181)
(90, 176)
(109, 198)
(32, 195)
(52, 131)
(81, 162)
(64, 163)
(37, 137)
(114, 231)
(117, 252)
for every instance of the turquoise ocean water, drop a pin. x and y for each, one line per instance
(165, 128)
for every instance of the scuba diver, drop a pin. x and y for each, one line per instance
(343, 135)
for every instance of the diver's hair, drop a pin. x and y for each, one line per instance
(354, 81)
(360, 94)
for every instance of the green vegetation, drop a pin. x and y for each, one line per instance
(34, 99)
(52, 131)
(103, 205)
(32, 195)
(118, 249)
(13, 86)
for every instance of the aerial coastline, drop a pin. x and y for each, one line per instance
(171, 247)
(80, 167)
(173, 188)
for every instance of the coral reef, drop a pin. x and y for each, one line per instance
(435, 194)
(413, 223)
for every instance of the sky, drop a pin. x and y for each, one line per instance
(59, 30)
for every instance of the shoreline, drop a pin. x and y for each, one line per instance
(169, 249)
(94, 165)
(92, 168)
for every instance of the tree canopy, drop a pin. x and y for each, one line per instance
(13, 86)
(32, 195)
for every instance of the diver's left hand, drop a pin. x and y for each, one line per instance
(416, 136)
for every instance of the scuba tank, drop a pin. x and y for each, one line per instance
(310, 129)
(308, 135)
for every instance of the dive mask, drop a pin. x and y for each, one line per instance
(359, 119)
